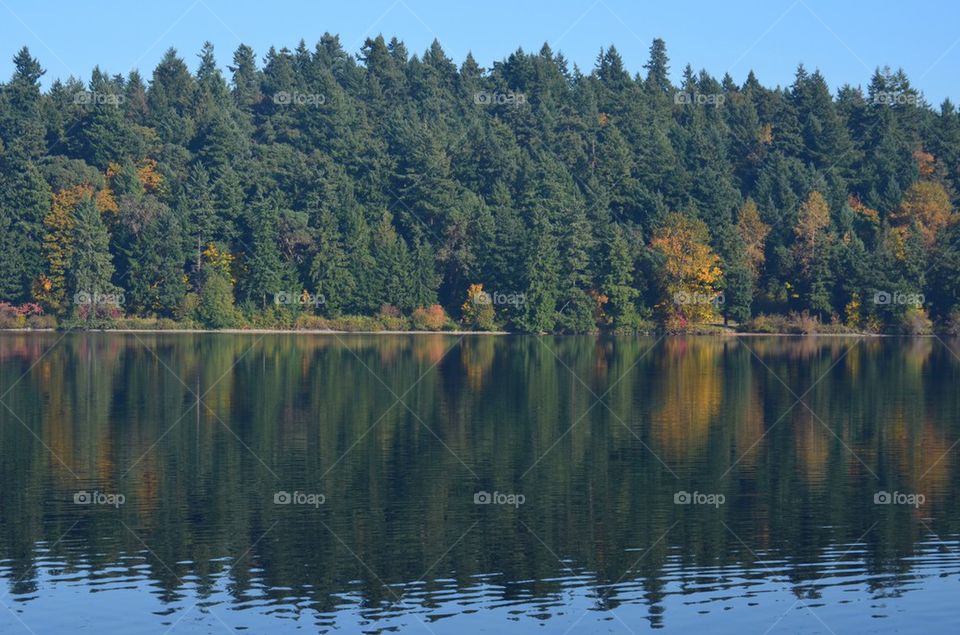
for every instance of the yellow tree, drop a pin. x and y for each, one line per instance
(753, 232)
(59, 222)
(925, 205)
(478, 311)
(811, 228)
(690, 272)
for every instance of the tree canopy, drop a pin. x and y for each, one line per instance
(319, 182)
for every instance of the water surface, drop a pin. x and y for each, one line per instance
(177, 483)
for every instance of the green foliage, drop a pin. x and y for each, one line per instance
(215, 308)
(91, 266)
(400, 179)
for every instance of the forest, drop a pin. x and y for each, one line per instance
(318, 188)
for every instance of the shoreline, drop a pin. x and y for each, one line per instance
(186, 331)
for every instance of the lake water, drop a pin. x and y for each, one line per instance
(443, 484)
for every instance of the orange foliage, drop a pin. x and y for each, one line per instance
(432, 318)
(754, 233)
(872, 215)
(925, 205)
(925, 162)
(148, 175)
(50, 288)
(105, 202)
(690, 268)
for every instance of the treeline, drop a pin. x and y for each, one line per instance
(529, 196)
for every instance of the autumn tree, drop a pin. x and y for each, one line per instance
(753, 232)
(478, 310)
(689, 270)
(810, 248)
(926, 206)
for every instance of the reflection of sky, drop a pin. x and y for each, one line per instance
(843, 597)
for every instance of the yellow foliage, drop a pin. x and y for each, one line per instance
(927, 206)
(872, 215)
(814, 218)
(852, 311)
(219, 259)
(475, 295)
(754, 233)
(690, 269)
(50, 288)
(105, 202)
(765, 136)
(148, 175)
(925, 162)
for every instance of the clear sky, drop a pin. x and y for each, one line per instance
(845, 39)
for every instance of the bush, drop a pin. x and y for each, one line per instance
(795, 324)
(398, 323)
(41, 322)
(148, 323)
(803, 323)
(432, 318)
(477, 310)
(952, 326)
(27, 315)
(351, 323)
(189, 308)
(916, 322)
(391, 318)
(763, 323)
(633, 324)
(389, 311)
(216, 309)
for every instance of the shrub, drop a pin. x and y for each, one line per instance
(803, 323)
(432, 318)
(763, 323)
(916, 322)
(477, 310)
(952, 326)
(27, 315)
(188, 309)
(632, 324)
(216, 309)
(389, 311)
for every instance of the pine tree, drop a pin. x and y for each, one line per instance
(91, 264)
(618, 284)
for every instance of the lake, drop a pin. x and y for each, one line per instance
(206, 483)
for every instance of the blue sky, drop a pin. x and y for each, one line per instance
(846, 40)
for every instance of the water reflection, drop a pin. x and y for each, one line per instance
(199, 433)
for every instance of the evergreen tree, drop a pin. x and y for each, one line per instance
(91, 265)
